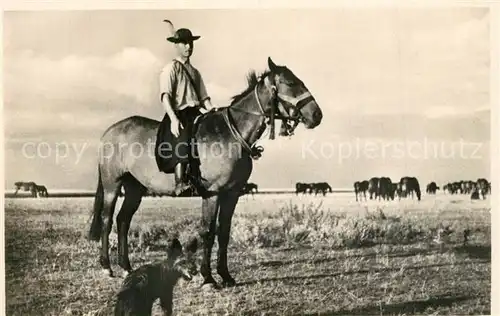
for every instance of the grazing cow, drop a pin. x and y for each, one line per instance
(466, 186)
(144, 285)
(385, 188)
(410, 185)
(42, 191)
(360, 187)
(455, 187)
(431, 188)
(302, 188)
(449, 187)
(483, 187)
(26, 186)
(475, 194)
(373, 187)
(321, 187)
(395, 191)
(250, 188)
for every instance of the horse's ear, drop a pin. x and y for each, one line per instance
(271, 64)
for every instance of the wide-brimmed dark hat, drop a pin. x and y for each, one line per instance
(183, 35)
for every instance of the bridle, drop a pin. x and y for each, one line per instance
(281, 106)
(295, 104)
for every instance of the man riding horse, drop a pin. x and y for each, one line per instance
(276, 94)
(184, 97)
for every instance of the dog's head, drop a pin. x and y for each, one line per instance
(183, 262)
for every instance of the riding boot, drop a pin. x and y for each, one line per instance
(180, 184)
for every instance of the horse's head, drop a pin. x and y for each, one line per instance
(295, 102)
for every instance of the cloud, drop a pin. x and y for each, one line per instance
(219, 94)
(82, 94)
(128, 72)
(450, 111)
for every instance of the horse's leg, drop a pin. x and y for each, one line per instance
(227, 205)
(110, 195)
(134, 191)
(210, 207)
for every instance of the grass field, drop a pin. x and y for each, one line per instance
(290, 256)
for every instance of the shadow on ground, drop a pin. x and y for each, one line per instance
(475, 251)
(402, 254)
(361, 271)
(408, 308)
(471, 251)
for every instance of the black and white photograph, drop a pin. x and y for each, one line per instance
(330, 160)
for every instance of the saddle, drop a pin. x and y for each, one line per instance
(166, 143)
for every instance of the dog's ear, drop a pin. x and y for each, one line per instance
(174, 248)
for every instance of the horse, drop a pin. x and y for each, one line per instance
(483, 187)
(321, 187)
(250, 187)
(360, 187)
(431, 188)
(395, 191)
(410, 185)
(302, 188)
(373, 187)
(467, 186)
(42, 191)
(26, 186)
(452, 187)
(276, 94)
(385, 189)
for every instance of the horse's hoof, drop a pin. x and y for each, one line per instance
(228, 282)
(208, 287)
(108, 273)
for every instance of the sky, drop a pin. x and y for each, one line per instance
(403, 91)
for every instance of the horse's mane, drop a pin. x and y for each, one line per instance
(252, 80)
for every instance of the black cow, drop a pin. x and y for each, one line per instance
(431, 188)
(251, 188)
(385, 189)
(302, 188)
(373, 187)
(410, 185)
(483, 187)
(321, 187)
(360, 187)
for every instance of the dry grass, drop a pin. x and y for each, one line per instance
(288, 254)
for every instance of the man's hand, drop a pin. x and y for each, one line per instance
(175, 124)
(208, 105)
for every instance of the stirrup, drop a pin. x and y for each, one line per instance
(182, 188)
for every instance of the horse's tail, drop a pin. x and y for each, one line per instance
(96, 225)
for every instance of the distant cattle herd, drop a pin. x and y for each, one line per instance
(377, 188)
(317, 187)
(384, 188)
(35, 189)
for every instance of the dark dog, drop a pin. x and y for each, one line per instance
(143, 286)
